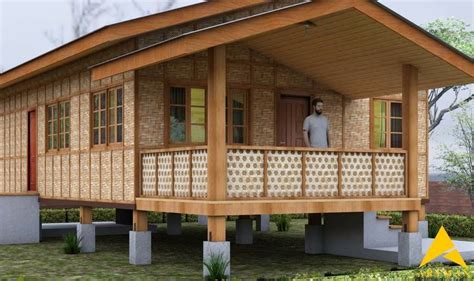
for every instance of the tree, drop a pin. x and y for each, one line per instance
(458, 159)
(456, 33)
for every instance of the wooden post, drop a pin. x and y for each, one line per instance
(410, 141)
(216, 229)
(216, 148)
(85, 215)
(422, 213)
(140, 220)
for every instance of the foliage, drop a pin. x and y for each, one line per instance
(455, 225)
(458, 160)
(456, 33)
(71, 246)
(282, 222)
(216, 266)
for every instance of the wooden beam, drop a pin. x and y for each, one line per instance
(140, 220)
(114, 33)
(85, 215)
(216, 36)
(410, 142)
(217, 150)
(276, 206)
(216, 229)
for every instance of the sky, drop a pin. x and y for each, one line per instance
(24, 25)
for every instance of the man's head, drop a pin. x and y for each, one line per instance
(318, 106)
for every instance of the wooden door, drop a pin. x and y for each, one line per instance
(32, 151)
(291, 114)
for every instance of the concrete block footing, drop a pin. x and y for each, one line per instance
(86, 237)
(216, 249)
(244, 231)
(173, 224)
(423, 228)
(409, 248)
(263, 223)
(313, 239)
(19, 219)
(140, 247)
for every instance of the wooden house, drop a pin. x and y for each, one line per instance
(199, 110)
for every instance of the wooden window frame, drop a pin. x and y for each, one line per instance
(230, 118)
(58, 134)
(187, 107)
(108, 125)
(387, 118)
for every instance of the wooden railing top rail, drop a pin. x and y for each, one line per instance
(276, 148)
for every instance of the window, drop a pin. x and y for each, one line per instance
(187, 115)
(58, 127)
(236, 111)
(387, 124)
(107, 115)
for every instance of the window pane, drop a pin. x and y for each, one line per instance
(379, 125)
(178, 114)
(198, 115)
(198, 133)
(238, 117)
(379, 108)
(396, 109)
(177, 132)
(396, 140)
(96, 102)
(55, 127)
(111, 117)
(238, 100)
(111, 99)
(119, 96)
(55, 141)
(96, 119)
(178, 95)
(68, 106)
(62, 109)
(379, 140)
(102, 135)
(61, 141)
(102, 101)
(396, 125)
(198, 97)
(119, 133)
(96, 136)
(111, 134)
(68, 129)
(119, 115)
(103, 118)
(62, 125)
(67, 141)
(238, 135)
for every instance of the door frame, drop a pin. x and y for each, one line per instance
(28, 149)
(287, 92)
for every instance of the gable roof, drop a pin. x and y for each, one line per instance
(114, 33)
(389, 41)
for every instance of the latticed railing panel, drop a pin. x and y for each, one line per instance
(321, 174)
(389, 174)
(149, 174)
(199, 172)
(165, 174)
(245, 173)
(356, 174)
(284, 173)
(182, 177)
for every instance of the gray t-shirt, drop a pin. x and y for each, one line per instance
(318, 128)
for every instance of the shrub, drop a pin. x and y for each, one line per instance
(71, 246)
(216, 266)
(283, 222)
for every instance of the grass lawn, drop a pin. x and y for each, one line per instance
(274, 254)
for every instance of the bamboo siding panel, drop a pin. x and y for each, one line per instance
(105, 175)
(41, 175)
(245, 173)
(389, 174)
(65, 183)
(356, 174)
(321, 174)
(85, 173)
(422, 184)
(57, 175)
(85, 122)
(129, 183)
(74, 123)
(129, 113)
(49, 175)
(117, 175)
(95, 175)
(75, 175)
(41, 112)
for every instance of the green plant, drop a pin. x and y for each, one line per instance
(283, 222)
(216, 266)
(71, 246)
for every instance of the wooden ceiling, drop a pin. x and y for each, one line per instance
(355, 55)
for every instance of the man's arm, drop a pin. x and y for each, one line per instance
(327, 135)
(306, 138)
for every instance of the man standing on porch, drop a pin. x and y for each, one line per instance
(317, 125)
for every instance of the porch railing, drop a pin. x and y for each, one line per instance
(256, 172)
